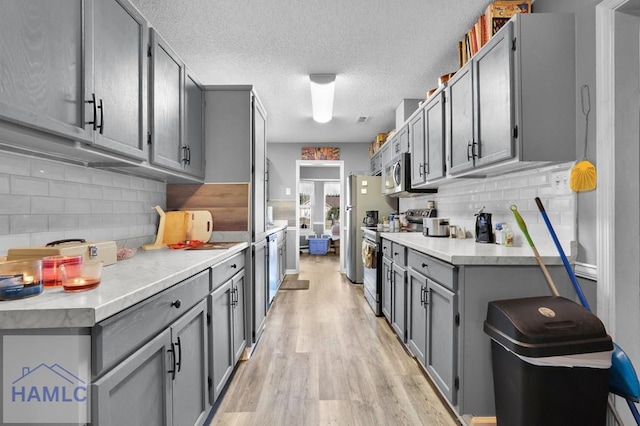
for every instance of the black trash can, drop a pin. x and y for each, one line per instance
(551, 360)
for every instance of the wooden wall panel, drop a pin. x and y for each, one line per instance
(227, 202)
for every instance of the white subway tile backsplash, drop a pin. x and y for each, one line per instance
(28, 223)
(102, 178)
(77, 206)
(47, 169)
(91, 192)
(44, 200)
(15, 204)
(101, 207)
(47, 205)
(459, 201)
(15, 165)
(77, 174)
(4, 184)
(24, 185)
(4, 225)
(63, 189)
(63, 221)
(112, 193)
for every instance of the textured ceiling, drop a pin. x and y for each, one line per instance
(381, 51)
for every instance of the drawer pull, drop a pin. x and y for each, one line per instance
(176, 303)
(234, 266)
(424, 265)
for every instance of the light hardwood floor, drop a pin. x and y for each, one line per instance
(326, 359)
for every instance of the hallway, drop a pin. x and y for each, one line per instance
(325, 359)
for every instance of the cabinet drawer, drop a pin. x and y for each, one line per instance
(116, 337)
(399, 253)
(386, 248)
(441, 272)
(223, 271)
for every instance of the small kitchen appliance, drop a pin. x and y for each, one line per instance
(371, 218)
(435, 227)
(484, 229)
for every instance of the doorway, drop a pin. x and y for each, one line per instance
(313, 218)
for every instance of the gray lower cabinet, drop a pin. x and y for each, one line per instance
(398, 300)
(259, 254)
(386, 287)
(433, 320)
(282, 255)
(163, 382)
(226, 329)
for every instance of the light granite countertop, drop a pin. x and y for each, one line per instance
(124, 284)
(467, 252)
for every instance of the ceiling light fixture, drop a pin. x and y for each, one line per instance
(322, 90)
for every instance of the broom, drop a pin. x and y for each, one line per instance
(583, 174)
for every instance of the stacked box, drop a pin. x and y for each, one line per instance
(498, 13)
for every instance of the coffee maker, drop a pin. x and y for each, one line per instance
(371, 218)
(484, 229)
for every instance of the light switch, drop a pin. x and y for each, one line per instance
(365, 183)
(287, 191)
(363, 190)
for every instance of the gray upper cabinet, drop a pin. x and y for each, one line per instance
(41, 71)
(116, 76)
(513, 104)
(167, 105)
(193, 124)
(400, 142)
(176, 112)
(427, 137)
(235, 123)
(376, 163)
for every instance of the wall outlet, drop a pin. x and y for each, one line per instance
(560, 182)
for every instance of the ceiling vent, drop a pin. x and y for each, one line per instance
(362, 120)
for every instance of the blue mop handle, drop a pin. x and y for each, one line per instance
(565, 261)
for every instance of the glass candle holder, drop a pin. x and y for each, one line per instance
(85, 277)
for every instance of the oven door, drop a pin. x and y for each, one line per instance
(370, 261)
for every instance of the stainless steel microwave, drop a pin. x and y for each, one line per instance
(397, 178)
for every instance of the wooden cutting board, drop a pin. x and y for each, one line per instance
(187, 225)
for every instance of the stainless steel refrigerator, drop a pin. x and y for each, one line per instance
(363, 193)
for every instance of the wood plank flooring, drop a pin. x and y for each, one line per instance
(326, 359)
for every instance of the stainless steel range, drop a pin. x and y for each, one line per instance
(372, 256)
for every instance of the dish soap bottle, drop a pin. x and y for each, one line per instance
(498, 233)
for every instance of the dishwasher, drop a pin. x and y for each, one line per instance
(272, 262)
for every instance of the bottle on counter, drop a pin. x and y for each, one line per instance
(499, 234)
(396, 223)
(508, 236)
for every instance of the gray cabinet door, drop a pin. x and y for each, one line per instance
(221, 339)
(418, 149)
(193, 124)
(442, 338)
(434, 138)
(494, 99)
(41, 71)
(189, 339)
(237, 323)
(386, 287)
(399, 300)
(417, 315)
(259, 288)
(460, 125)
(137, 391)
(259, 167)
(116, 73)
(401, 141)
(166, 109)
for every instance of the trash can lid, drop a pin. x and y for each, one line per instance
(545, 326)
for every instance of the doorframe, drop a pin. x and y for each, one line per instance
(320, 163)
